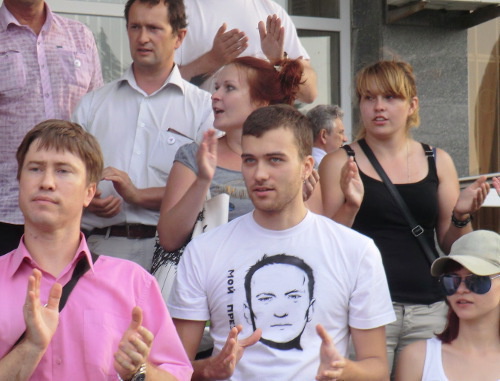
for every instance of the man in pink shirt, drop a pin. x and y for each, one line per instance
(47, 64)
(115, 324)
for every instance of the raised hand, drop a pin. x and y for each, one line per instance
(134, 347)
(351, 184)
(223, 364)
(105, 207)
(206, 157)
(272, 38)
(227, 45)
(331, 362)
(41, 321)
(496, 184)
(471, 198)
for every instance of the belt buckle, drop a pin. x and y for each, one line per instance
(417, 230)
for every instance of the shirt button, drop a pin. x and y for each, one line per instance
(78, 63)
(47, 95)
(142, 125)
(137, 152)
(58, 361)
(171, 140)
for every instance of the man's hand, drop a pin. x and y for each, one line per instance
(105, 207)
(309, 185)
(272, 38)
(122, 183)
(222, 366)
(206, 157)
(134, 347)
(331, 362)
(471, 198)
(227, 46)
(41, 321)
(351, 184)
(496, 184)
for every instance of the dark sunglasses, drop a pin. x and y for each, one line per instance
(476, 283)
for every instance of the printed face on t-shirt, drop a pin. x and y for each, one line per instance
(280, 304)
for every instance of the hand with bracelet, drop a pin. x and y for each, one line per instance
(469, 201)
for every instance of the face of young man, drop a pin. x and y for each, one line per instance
(151, 38)
(274, 173)
(53, 189)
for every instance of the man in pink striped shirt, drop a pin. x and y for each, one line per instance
(114, 324)
(47, 64)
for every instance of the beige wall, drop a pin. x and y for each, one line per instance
(484, 97)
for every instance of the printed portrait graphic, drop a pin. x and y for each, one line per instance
(279, 299)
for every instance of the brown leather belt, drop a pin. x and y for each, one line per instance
(128, 230)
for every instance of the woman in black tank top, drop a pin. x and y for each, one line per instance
(426, 178)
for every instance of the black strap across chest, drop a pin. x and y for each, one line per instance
(81, 268)
(416, 229)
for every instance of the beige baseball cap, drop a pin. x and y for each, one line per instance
(478, 251)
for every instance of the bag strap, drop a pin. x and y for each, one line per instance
(81, 268)
(416, 229)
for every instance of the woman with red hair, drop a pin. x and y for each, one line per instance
(242, 86)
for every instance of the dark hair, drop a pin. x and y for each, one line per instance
(269, 118)
(450, 331)
(63, 135)
(272, 84)
(321, 118)
(176, 12)
(389, 77)
(282, 259)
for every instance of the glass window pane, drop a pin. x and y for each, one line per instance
(112, 42)
(314, 8)
(324, 49)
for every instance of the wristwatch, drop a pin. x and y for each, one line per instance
(140, 375)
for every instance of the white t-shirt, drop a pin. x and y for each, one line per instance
(206, 17)
(140, 135)
(323, 273)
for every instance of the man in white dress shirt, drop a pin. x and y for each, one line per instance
(140, 120)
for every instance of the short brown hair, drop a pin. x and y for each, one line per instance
(176, 12)
(63, 135)
(273, 117)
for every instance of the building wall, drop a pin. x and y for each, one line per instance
(438, 55)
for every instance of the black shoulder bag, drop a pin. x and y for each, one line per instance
(81, 268)
(416, 229)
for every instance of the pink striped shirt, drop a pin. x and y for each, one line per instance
(42, 77)
(96, 315)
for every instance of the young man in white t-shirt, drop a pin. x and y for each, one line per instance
(295, 284)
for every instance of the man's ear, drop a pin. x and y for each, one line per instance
(310, 310)
(323, 133)
(180, 35)
(90, 192)
(308, 166)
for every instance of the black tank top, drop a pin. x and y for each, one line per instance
(380, 218)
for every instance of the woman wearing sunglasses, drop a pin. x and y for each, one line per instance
(469, 347)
